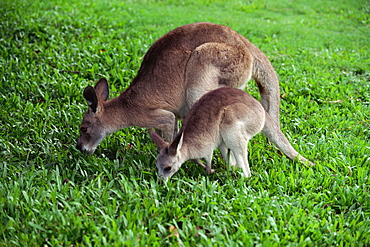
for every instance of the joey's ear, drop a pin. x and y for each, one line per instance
(91, 98)
(157, 139)
(102, 89)
(176, 144)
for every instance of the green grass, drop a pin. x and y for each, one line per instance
(52, 195)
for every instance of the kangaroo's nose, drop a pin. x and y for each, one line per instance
(79, 146)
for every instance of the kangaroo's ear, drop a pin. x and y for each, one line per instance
(102, 89)
(91, 98)
(157, 139)
(176, 144)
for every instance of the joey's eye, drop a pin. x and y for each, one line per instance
(83, 129)
(167, 169)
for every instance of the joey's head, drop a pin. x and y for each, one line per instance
(169, 157)
(92, 128)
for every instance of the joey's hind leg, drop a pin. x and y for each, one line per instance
(241, 155)
(227, 154)
(239, 146)
(242, 160)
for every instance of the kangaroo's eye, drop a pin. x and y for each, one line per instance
(83, 129)
(167, 169)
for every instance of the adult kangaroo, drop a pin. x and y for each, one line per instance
(177, 70)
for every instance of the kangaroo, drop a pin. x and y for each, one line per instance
(226, 118)
(177, 70)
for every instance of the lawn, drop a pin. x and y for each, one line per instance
(53, 195)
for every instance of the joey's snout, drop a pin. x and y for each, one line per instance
(163, 178)
(165, 172)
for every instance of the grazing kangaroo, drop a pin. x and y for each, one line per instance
(177, 70)
(225, 118)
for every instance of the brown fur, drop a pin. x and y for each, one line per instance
(226, 118)
(177, 70)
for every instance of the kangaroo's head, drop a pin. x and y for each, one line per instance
(92, 129)
(168, 159)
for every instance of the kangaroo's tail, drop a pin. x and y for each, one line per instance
(274, 134)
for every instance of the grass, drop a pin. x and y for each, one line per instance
(52, 195)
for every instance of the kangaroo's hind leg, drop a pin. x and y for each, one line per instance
(213, 65)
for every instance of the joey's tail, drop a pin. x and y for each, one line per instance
(274, 134)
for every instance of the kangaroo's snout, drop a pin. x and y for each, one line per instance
(79, 147)
(83, 149)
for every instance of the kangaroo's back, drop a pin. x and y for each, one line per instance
(163, 67)
(173, 48)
